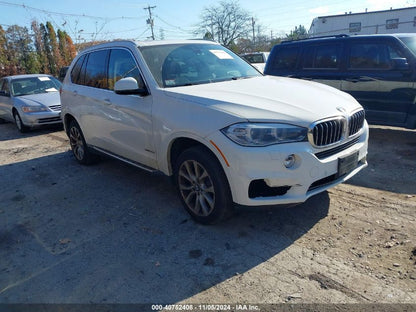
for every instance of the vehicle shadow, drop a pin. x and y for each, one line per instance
(391, 161)
(110, 233)
(10, 132)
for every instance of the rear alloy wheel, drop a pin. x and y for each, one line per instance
(203, 186)
(19, 123)
(79, 148)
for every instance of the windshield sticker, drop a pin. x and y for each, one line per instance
(170, 83)
(222, 55)
(51, 90)
(43, 78)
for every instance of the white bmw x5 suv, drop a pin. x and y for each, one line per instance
(198, 112)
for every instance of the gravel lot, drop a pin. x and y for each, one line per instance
(110, 233)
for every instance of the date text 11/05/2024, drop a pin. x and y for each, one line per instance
(205, 307)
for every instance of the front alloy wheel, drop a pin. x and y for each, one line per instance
(196, 188)
(19, 123)
(203, 186)
(78, 145)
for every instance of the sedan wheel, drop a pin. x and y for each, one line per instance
(19, 123)
(203, 186)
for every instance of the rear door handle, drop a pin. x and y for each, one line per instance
(352, 79)
(360, 79)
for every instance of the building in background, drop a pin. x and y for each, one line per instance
(378, 22)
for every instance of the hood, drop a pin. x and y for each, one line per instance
(270, 99)
(46, 99)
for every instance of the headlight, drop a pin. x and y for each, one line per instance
(32, 109)
(263, 134)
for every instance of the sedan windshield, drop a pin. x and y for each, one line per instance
(34, 85)
(176, 65)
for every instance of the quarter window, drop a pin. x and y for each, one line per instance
(76, 71)
(285, 59)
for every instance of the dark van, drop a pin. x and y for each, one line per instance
(378, 70)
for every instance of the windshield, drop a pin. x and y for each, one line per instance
(255, 58)
(34, 85)
(410, 42)
(175, 65)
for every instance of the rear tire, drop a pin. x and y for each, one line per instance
(78, 145)
(203, 186)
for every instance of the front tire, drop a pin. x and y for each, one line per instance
(203, 186)
(19, 123)
(78, 145)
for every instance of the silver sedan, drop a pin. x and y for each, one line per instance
(30, 100)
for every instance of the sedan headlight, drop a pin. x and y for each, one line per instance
(263, 134)
(33, 109)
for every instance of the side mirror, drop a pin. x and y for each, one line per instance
(400, 63)
(129, 85)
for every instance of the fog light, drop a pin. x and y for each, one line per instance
(289, 161)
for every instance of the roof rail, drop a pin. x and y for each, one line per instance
(319, 37)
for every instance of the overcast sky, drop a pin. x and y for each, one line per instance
(175, 19)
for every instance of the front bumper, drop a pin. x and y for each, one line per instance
(41, 118)
(311, 173)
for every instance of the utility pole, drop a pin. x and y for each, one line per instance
(150, 19)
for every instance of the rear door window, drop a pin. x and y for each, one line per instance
(325, 56)
(4, 84)
(96, 70)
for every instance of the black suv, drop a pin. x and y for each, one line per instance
(378, 70)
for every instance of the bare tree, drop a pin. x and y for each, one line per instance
(225, 23)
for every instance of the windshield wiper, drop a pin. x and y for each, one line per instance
(241, 77)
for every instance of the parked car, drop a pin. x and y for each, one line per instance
(198, 112)
(257, 59)
(378, 70)
(30, 100)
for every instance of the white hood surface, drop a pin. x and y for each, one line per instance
(270, 98)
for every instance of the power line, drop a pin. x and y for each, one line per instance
(67, 14)
(177, 27)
